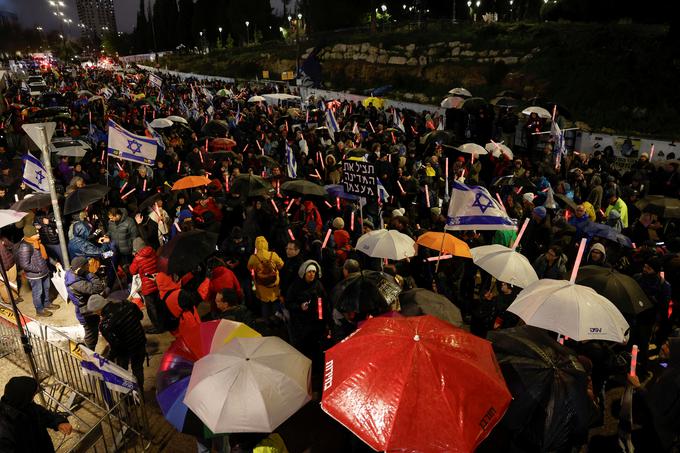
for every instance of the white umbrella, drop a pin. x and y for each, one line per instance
(160, 123)
(177, 119)
(389, 244)
(572, 310)
(249, 385)
(460, 92)
(10, 216)
(540, 111)
(452, 102)
(505, 264)
(496, 149)
(257, 99)
(472, 148)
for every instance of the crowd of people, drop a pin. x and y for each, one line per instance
(277, 267)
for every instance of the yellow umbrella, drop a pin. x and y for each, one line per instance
(445, 243)
(377, 102)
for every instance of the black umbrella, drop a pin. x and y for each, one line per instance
(84, 197)
(33, 201)
(267, 161)
(510, 94)
(251, 186)
(186, 251)
(443, 137)
(420, 301)
(369, 292)
(548, 386)
(215, 128)
(504, 102)
(304, 187)
(622, 290)
(658, 204)
(474, 104)
(565, 200)
(149, 201)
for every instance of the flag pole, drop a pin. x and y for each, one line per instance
(53, 195)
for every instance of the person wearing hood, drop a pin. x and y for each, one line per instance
(306, 301)
(265, 265)
(122, 230)
(580, 217)
(294, 259)
(614, 220)
(81, 284)
(311, 218)
(145, 264)
(180, 302)
(23, 423)
(80, 244)
(656, 403)
(616, 204)
(597, 256)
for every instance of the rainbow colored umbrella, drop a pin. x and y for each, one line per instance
(177, 365)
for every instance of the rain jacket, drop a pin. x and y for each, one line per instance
(255, 263)
(620, 206)
(181, 303)
(123, 233)
(145, 262)
(80, 244)
(221, 278)
(80, 288)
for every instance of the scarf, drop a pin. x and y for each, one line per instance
(37, 245)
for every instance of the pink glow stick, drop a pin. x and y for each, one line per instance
(633, 360)
(290, 205)
(351, 222)
(245, 147)
(276, 208)
(403, 192)
(427, 196)
(328, 204)
(123, 188)
(177, 226)
(651, 153)
(577, 263)
(500, 202)
(119, 167)
(440, 258)
(446, 167)
(325, 241)
(520, 234)
(290, 233)
(319, 307)
(127, 194)
(179, 164)
(337, 202)
(323, 167)
(144, 186)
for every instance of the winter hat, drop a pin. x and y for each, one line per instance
(30, 231)
(528, 197)
(78, 262)
(338, 223)
(600, 248)
(137, 245)
(398, 212)
(540, 212)
(369, 224)
(306, 265)
(96, 303)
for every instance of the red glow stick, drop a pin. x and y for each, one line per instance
(144, 186)
(323, 167)
(446, 167)
(337, 202)
(200, 154)
(328, 204)
(519, 189)
(440, 258)
(500, 202)
(351, 222)
(290, 233)
(319, 307)
(633, 360)
(226, 182)
(670, 309)
(103, 151)
(259, 147)
(325, 241)
(289, 205)
(276, 208)
(206, 145)
(472, 159)
(394, 139)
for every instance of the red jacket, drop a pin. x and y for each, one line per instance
(221, 278)
(145, 262)
(211, 206)
(181, 303)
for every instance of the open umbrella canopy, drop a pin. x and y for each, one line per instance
(266, 161)
(186, 251)
(257, 99)
(177, 365)
(565, 200)
(540, 111)
(452, 102)
(593, 229)
(474, 104)
(376, 102)
(222, 143)
(390, 244)
(421, 301)
(666, 207)
(505, 264)
(189, 182)
(160, 123)
(447, 243)
(83, 197)
(33, 201)
(472, 148)
(504, 102)
(548, 386)
(414, 384)
(442, 137)
(215, 128)
(304, 187)
(338, 191)
(177, 119)
(498, 149)
(369, 292)
(621, 289)
(575, 311)
(10, 216)
(460, 92)
(249, 385)
(251, 186)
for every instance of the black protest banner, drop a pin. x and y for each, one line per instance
(359, 178)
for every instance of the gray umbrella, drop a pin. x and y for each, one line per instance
(420, 301)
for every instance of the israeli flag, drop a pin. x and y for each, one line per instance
(115, 377)
(291, 163)
(473, 208)
(383, 195)
(156, 80)
(559, 148)
(128, 146)
(398, 123)
(331, 123)
(35, 175)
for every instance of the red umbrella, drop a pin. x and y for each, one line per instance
(415, 384)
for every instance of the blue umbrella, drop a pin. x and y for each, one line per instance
(338, 191)
(592, 229)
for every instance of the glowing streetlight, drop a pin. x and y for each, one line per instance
(478, 3)
(248, 31)
(383, 7)
(299, 16)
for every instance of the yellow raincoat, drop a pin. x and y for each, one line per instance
(255, 264)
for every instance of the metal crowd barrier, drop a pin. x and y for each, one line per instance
(122, 423)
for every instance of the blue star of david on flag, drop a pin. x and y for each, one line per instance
(134, 146)
(479, 197)
(40, 176)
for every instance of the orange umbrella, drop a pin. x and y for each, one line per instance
(189, 182)
(445, 242)
(217, 144)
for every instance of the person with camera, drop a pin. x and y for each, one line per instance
(87, 243)
(81, 284)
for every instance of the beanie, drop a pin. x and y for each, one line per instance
(540, 211)
(528, 197)
(137, 245)
(78, 262)
(96, 303)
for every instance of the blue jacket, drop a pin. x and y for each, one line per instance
(80, 288)
(31, 261)
(81, 246)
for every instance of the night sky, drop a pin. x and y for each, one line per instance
(38, 12)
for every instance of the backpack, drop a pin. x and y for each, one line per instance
(267, 274)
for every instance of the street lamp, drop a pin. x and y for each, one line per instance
(248, 31)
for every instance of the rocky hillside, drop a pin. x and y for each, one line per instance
(616, 78)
